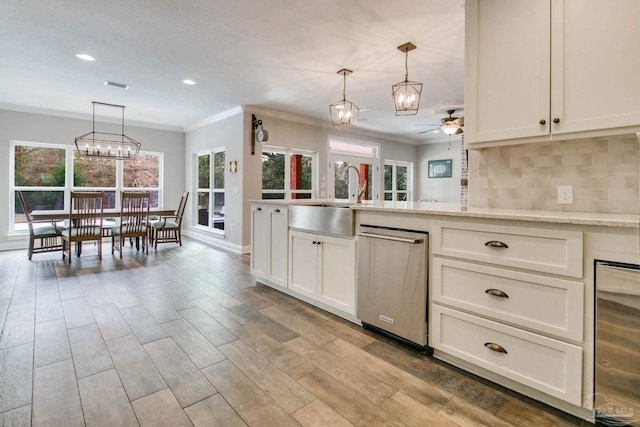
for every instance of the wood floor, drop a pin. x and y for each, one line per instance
(185, 336)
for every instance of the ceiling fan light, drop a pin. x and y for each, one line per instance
(449, 128)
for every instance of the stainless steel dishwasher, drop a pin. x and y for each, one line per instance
(392, 283)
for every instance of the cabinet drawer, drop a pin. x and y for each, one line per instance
(545, 304)
(544, 250)
(545, 364)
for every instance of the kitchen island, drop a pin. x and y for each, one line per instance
(510, 292)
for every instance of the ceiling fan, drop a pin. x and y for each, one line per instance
(449, 125)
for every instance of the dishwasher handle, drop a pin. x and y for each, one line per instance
(392, 238)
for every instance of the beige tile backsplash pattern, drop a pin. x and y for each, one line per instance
(604, 173)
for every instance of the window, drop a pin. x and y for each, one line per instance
(397, 180)
(348, 161)
(47, 173)
(287, 174)
(39, 171)
(210, 192)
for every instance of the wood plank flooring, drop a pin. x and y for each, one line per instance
(185, 336)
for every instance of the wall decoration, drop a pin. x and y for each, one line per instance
(440, 168)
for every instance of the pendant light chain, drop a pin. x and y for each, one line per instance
(406, 65)
(344, 87)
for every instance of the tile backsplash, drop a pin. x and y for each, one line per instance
(604, 173)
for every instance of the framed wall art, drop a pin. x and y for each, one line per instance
(440, 168)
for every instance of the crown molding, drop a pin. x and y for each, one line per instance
(326, 124)
(216, 118)
(85, 116)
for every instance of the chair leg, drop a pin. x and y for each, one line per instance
(31, 243)
(113, 243)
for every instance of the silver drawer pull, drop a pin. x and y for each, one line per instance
(496, 293)
(496, 244)
(393, 238)
(495, 347)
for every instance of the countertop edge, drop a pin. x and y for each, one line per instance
(456, 210)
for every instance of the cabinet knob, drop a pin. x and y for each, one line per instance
(276, 210)
(496, 293)
(258, 209)
(556, 120)
(495, 347)
(496, 244)
(543, 122)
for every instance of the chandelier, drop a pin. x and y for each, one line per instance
(406, 94)
(106, 145)
(344, 113)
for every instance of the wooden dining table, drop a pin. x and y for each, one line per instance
(59, 215)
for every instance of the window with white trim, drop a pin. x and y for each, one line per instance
(398, 184)
(288, 174)
(47, 173)
(210, 192)
(345, 157)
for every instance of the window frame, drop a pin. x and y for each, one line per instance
(354, 151)
(211, 191)
(287, 191)
(394, 180)
(70, 153)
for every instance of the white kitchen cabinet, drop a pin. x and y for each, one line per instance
(550, 69)
(322, 268)
(519, 288)
(269, 231)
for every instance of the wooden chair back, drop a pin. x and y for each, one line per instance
(134, 214)
(181, 208)
(27, 214)
(85, 215)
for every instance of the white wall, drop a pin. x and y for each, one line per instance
(30, 127)
(440, 189)
(227, 133)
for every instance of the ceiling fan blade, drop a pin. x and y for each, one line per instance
(459, 131)
(428, 130)
(459, 121)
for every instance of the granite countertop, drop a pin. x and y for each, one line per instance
(455, 209)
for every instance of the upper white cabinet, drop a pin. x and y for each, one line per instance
(550, 69)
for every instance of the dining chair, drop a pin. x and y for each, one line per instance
(134, 217)
(85, 222)
(169, 228)
(48, 236)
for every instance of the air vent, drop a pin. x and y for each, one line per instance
(116, 84)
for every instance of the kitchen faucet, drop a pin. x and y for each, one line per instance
(362, 189)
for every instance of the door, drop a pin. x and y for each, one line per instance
(303, 264)
(594, 78)
(278, 241)
(336, 281)
(347, 181)
(260, 241)
(508, 64)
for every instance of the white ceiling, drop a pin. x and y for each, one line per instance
(280, 55)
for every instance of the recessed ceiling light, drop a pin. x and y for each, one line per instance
(85, 57)
(189, 82)
(116, 84)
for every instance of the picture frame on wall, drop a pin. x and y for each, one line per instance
(440, 168)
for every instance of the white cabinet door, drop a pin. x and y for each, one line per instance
(278, 241)
(595, 81)
(539, 68)
(508, 59)
(303, 263)
(336, 281)
(260, 241)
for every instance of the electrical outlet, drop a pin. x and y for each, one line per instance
(565, 194)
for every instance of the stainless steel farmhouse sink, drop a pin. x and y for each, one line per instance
(323, 218)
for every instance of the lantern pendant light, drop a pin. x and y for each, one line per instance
(406, 95)
(344, 113)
